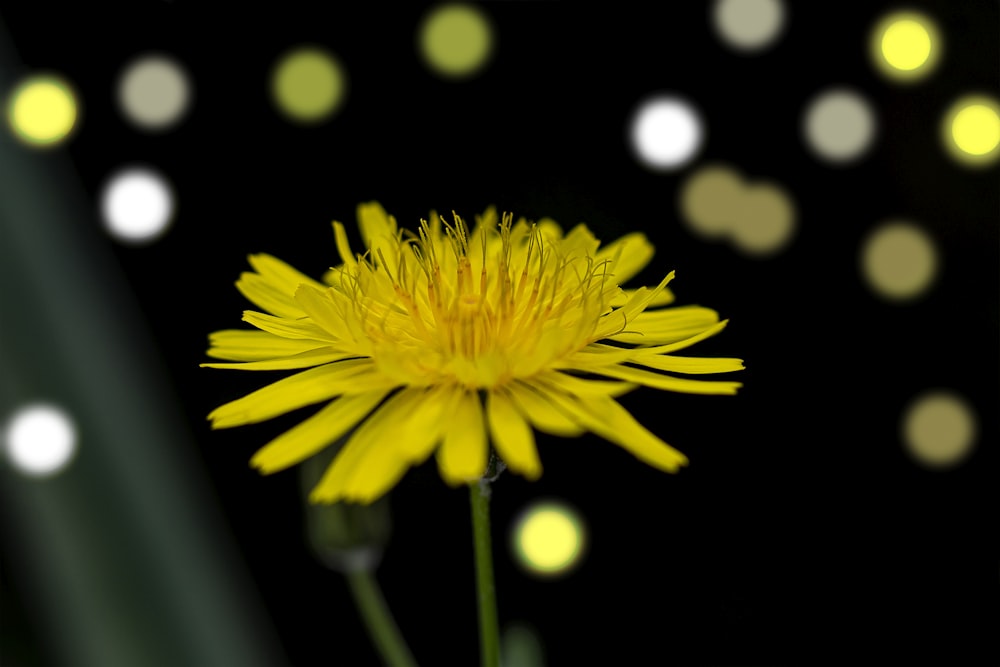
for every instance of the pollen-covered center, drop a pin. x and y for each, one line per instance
(475, 307)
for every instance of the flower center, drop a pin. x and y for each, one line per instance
(483, 313)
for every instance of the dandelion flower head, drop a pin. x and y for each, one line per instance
(453, 338)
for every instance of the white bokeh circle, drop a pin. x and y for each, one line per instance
(666, 132)
(137, 205)
(39, 440)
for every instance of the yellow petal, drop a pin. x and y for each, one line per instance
(334, 276)
(267, 295)
(406, 442)
(607, 418)
(512, 435)
(671, 339)
(582, 387)
(307, 359)
(279, 273)
(331, 487)
(549, 230)
(599, 355)
(580, 242)
(689, 365)
(425, 423)
(652, 327)
(462, 457)
(629, 255)
(317, 432)
(319, 305)
(299, 390)
(642, 297)
(542, 414)
(246, 345)
(667, 382)
(679, 316)
(288, 328)
(663, 298)
(620, 319)
(401, 433)
(378, 230)
(343, 247)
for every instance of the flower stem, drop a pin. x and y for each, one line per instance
(378, 619)
(489, 629)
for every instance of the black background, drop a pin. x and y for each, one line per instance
(801, 531)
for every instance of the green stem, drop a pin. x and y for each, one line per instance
(378, 619)
(489, 629)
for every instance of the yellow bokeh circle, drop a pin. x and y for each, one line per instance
(548, 539)
(905, 46)
(308, 85)
(970, 130)
(42, 110)
(455, 40)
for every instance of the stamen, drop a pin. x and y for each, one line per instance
(482, 274)
(385, 265)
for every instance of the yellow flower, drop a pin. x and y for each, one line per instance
(452, 338)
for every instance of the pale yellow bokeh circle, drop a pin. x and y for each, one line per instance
(456, 40)
(710, 200)
(939, 429)
(548, 539)
(154, 92)
(748, 26)
(42, 111)
(308, 85)
(905, 46)
(766, 221)
(839, 125)
(758, 217)
(899, 261)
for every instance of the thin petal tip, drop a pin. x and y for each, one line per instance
(263, 465)
(316, 497)
(531, 475)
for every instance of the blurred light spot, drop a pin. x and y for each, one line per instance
(905, 46)
(308, 85)
(766, 220)
(137, 205)
(521, 647)
(976, 129)
(40, 440)
(971, 130)
(666, 132)
(154, 92)
(899, 261)
(456, 40)
(710, 200)
(42, 110)
(939, 429)
(749, 25)
(839, 125)
(548, 539)
(759, 218)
